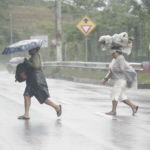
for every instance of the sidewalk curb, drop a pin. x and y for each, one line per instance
(144, 86)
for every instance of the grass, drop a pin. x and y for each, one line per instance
(89, 73)
(84, 73)
(143, 77)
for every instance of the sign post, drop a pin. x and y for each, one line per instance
(86, 26)
(86, 47)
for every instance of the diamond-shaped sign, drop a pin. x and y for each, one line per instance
(86, 25)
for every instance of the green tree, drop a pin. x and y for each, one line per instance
(79, 8)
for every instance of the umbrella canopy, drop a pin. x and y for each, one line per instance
(23, 46)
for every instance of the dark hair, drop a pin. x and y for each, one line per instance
(37, 49)
(120, 53)
(116, 47)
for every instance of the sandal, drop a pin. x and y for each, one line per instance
(22, 117)
(59, 112)
(136, 109)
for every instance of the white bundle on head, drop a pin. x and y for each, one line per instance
(120, 40)
(106, 42)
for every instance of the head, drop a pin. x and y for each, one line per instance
(116, 53)
(33, 51)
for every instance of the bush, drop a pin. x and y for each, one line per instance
(51, 71)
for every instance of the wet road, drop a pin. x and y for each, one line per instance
(83, 124)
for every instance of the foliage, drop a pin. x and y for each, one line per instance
(27, 2)
(50, 71)
(71, 33)
(5, 27)
(110, 16)
(75, 72)
(140, 7)
(48, 27)
(93, 74)
(80, 8)
(117, 16)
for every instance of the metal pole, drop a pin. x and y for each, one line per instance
(86, 47)
(141, 41)
(149, 58)
(65, 52)
(11, 35)
(58, 30)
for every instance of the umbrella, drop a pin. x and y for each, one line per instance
(23, 46)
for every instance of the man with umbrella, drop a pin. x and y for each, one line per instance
(36, 83)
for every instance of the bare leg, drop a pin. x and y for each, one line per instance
(134, 107)
(50, 103)
(114, 107)
(27, 103)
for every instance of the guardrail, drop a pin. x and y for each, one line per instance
(90, 65)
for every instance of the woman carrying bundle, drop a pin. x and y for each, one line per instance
(122, 75)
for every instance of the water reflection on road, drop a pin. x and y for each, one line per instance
(83, 124)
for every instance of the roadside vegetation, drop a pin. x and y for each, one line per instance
(88, 73)
(36, 17)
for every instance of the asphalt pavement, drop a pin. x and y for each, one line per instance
(83, 124)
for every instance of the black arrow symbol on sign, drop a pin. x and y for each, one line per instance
(85, 20)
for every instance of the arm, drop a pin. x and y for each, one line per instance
(35, 61)
(106, 78)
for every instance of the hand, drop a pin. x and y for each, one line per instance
(104, 82)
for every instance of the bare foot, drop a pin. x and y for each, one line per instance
(111, 113)
(135, 108)
(23, 117)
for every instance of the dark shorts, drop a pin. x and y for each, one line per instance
(28, 91)
(41, 95)
(37, 86)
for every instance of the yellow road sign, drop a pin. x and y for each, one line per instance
(86, 25)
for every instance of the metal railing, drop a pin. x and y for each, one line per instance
(88, 65)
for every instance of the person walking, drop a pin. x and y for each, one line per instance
(36, 85)
(117, 73)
